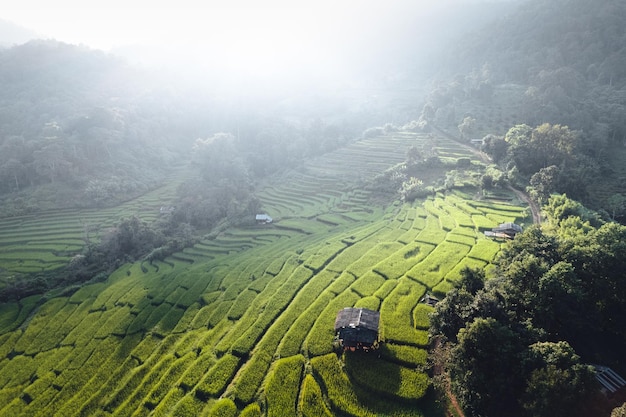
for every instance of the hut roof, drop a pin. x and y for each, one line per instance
(357, 317)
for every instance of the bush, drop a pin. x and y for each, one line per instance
(252, 410)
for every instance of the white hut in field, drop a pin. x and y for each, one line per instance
(263, 219)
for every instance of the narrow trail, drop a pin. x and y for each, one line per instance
(438, 370)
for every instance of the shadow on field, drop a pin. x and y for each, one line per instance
(378, 384)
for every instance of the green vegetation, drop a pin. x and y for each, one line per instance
(281, 390)
(241, 320)
(252, 301)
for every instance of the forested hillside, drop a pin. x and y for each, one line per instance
(79, 122)
(557, 62)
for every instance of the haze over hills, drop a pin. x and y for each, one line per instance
(12, 34)
(383, 139)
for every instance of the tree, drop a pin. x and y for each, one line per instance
(543, 183)
(557, 383)
(452, 313)
(467, 126)
(546, 145)
(495, 146)
(485, 368)
(616, 204)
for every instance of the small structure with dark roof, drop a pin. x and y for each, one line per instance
(505, 231)
(357, 329)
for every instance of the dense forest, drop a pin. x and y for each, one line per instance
(562, 63)
(540, 95)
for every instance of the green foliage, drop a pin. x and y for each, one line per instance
(224, 407)
(311, 402)
(370, 303)
(387, 378)
(408, 356)
(396, 314)
(320, 338)
(421, 313)
(252, 374)
(438, 263)
(338, 386)
(251, 410)
(282, 387)
(219, 375)
(396, 265)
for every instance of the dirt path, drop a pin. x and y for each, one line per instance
(454, 403)
(534, 208)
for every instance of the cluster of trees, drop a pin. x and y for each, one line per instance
(518, 344)
(548, 157)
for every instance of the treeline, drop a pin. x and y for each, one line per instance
(520, 344)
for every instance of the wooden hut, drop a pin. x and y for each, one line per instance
(357, 329)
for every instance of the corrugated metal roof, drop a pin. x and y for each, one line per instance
(357, 317)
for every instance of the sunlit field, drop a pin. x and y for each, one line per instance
(242, 323)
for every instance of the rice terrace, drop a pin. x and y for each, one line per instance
(242, 323)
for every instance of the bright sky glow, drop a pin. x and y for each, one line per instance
(245, 36)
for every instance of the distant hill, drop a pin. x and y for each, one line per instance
(12, 34)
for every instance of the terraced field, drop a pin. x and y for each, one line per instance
(243, 324)
(47, 241)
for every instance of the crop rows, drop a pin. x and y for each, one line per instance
(242, 323)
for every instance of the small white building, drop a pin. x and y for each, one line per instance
(263, 219)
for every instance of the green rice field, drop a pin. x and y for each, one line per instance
(242, 324)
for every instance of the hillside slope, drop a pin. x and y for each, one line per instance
(246, 319)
